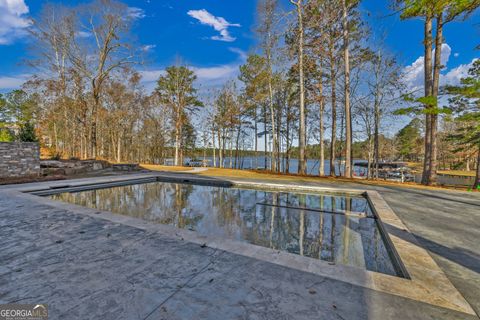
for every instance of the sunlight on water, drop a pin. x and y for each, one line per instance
(338, 229)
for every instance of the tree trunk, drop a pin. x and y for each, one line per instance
(85, 142)
(334, 108)
(428, 93)
(348, 118)
(321, 166)
(178, 136)
(376, 142)
(93, 136)
(279, 141)
(274, 154)
(213, 146)
(231, 151)
(94, 119)
(237, 144)
(220, 148)
(119, 153)
(436, 84)
(265, 138)
(369, 165)
(222, 152)
(287, 133)
(204, 156)
(301, 135)
(476, 185)
(256, 140)
(55, 137)
(81, 147)
(342, 141)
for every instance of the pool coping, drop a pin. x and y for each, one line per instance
(426, 282)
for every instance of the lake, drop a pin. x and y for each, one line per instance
(259, 163)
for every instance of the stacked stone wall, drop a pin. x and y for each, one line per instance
(19, 159)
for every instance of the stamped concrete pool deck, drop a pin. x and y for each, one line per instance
(87, 267)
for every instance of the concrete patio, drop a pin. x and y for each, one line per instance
(86, 266)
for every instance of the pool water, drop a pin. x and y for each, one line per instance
(339, 229)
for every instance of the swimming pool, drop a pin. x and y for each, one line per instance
(337, 228)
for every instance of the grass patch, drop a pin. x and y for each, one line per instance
(462, 173)
(155, 167)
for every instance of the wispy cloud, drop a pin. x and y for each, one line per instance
(216, 73)
(13, 23)
(151, 75)
(148, 47)
(218, 23)
(241, 54)
(136, 13)
(207, 77)
(83, 34)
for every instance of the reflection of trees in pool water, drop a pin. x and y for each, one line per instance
(240, 215)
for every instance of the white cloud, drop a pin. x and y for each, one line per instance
(13, 23)
(13, 82)
(218, 23)
(83, 34)
(216, 73)
(151, 75)
(454, 76)
(149, 47)
(135, 13)
(241, 54)
(207, 77)
(414, 74)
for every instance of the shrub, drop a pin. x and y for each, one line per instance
(6, 135)
(27, 133)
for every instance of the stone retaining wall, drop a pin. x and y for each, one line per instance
(19, 159)
(71, 167)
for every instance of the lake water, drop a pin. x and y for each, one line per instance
(259, 163)
(336, 228)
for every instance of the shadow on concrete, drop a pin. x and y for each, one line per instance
(461, 256)
(430, 195)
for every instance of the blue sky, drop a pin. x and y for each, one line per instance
(174, 28)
